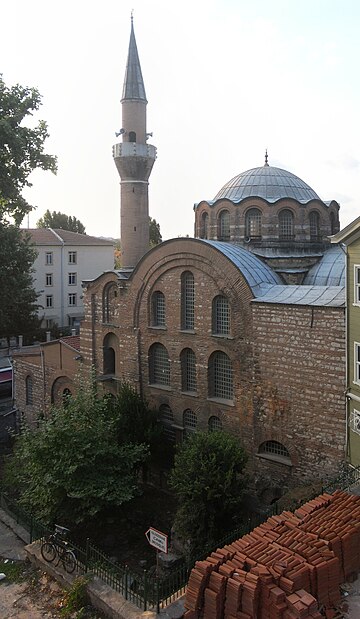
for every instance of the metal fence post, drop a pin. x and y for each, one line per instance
(126, 582)
(87, 554)
(145, 590)
(157, 595)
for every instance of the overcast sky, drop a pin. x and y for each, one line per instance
(224, 79)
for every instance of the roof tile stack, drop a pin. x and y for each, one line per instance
(284, 568)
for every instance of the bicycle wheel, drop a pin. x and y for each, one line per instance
(69, 561)
(48, 551)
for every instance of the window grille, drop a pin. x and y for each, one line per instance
(221, 316)
(187, 301)
(214, 424)
(286, 225)
(204, 226)
(355, 421)
(220, 376)
(72, 279)
(314, 226)
(48, 279)
(158, 309)
(224, 226)
(357, 363)
(274, 448)
(188, 370)
(357, 284)
(159, 365)
(29, 390)
(253, 224)
(189, 421)
(167, 420)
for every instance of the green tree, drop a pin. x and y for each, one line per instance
(154, 232)
(62, 221)
(21, 148)
(208, 481)
(73, 466)
(18, 299)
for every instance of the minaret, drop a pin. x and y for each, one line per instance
(134, 160)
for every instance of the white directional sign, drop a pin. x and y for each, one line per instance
(157, 539)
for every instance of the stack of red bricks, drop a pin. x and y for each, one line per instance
(283, 569)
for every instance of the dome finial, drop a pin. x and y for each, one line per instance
(266, 158)
(132, 17)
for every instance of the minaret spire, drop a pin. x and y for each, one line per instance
(134, 159)
(266, 164)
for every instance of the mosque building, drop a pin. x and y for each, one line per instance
(240, 328)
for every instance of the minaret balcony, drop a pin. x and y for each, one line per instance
(134, 149)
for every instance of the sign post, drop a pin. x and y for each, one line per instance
(159, 541)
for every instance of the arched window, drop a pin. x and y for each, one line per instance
(167, 420)
(220, 315)
(132, 136)
(189, 422)
(275, 450)
(109, 301)
(66, 395)
(29, 390)
(333, 223)
(159, 365)
(224, 226)
(220, 376)
(253, 224)
(188, 370)
(110, 345)
(286, 225)
(314, 226)
(158, 309)
(187, 300)
(214, 424)
(204, 226)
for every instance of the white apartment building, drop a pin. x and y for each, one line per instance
(64, 260)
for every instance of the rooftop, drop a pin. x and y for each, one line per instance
(57, 236)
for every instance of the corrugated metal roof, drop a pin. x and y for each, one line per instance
(330, 270)
(328, 296)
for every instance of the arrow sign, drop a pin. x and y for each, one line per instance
(157, 539)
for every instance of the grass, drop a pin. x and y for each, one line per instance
(15, 571)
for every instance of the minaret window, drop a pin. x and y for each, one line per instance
(220, 376)
(204, 226)
(314, 226)
(286, 225)
(220, 316)
(158, 309)
(159, 365)
(187, 301)
(253, 224)
(188, 370)
(132, 136)
(224, 226)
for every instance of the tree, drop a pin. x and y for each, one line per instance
(154, 232)
(73, 465)
(18, 299)
(208, 481)
(60, 220)
(21, 148)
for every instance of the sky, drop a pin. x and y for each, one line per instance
(225, 79)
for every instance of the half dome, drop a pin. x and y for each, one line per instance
(269, 183)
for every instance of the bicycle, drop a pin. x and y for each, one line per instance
(57, 546)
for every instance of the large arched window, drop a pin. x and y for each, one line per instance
(214, 424)
(188, 370)
(159, 365)
(167, 421)
(189, 422)
(29, 390)
(187, 301)
(109, 302)
(274, 450)
(158, 309)
(286, 225)
(224, 226)
(314, 226)
(204, 226)
(253, 224)
(220, 315)
(110, 346)
(220, 376)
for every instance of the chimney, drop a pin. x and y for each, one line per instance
(20, 341)
(48, 336)
(73, 331)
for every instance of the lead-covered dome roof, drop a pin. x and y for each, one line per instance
(269, 183)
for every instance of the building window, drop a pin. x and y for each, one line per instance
(72, 298)
(355, 421)
(167, 420)
(159, 365)
(220, 316)
(204, 226)
(214, 424)
(109, 360)
(357, 284)
(314, 226)
(29, 390)
(49, 300)
(286, 225)
(158, 309)
(357, 363)
(189, 422)
(48, 279)
(273, 448)
(224, 226)
(253, 224)
(49, 257)
(187, 300)
(49, 323)
(72, 257)
(132, 136)
(72, 279)
(110, 294)
(220, 376)
(188, 370)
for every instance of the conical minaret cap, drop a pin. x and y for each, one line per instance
(133, 83)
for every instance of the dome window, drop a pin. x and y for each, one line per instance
(286, 225)
(253, 224)
(204, 226)
(314, 226)
(224, 226)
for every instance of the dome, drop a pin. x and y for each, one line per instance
(269, 183)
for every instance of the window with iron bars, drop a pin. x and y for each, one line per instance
(286, 225)
(274, 448)
(167, 420)
(189, 422)
(220, 376)
(158, 309)
(221, 316)
(159, 365)
(214, 424)
(224, 226)
(355, 421)
(314, 226)
(187, 301)
(253, 224)
(188, 370)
